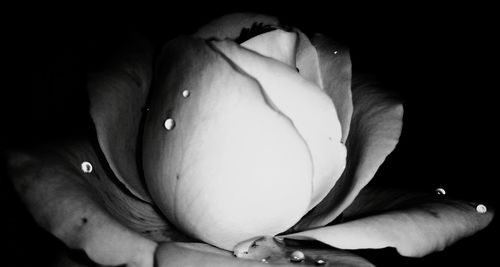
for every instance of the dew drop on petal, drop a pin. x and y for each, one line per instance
(86, 167)
(297, 256)
(481, 208)
(169, 124)
(440, 191)
(320, 262)
(186, 93)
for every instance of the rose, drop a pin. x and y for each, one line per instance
(65, 203)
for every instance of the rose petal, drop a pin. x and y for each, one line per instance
(308, 60)
(375, 128)
(215, 173)
(278, 44)
(53, 187)
(328, 64)
(230, 26)
(275, 254)
(335, 69)
(308, 107)
(414, 224)
(197, 254)
(117, 96)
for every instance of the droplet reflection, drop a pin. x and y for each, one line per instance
(86, 167)
(169, 124)
(440, 191)
(481, 208)
(297, 256)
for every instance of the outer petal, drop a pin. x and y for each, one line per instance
(231, 26)
(375, 129)
(335, 67)
(328, 64)
(414, 224)
(215, 173)
(63, 202)
(118, 94)
(274, 254)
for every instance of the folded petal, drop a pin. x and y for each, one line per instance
(374, 132)
(414, 224)
(56, 186)
(328, 64)
(215, 149)
(307, 59)
(277, 44)
(233, 25)
(118, 93)
(335, 69)
(265, 252)
(308, 107)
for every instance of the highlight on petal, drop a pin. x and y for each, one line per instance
(231, 26)
(306, 105)
(374, 132)
(277, 44)
(265, 252)
(216, 172)
(53, 187)
(414, 224)
(117, 96)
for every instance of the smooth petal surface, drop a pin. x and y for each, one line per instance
(308, 107)
(231, 26)
(264, 252)
(375, 129)
(335, 70)
(215, 173)
(414, 224)
(118, 94)
(63, 201)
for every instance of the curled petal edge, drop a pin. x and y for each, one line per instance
(414, 224)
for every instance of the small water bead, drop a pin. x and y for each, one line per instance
(297, 256)
(440, 191)
(169, 124)
(320, 262)
(186, 93)
(86, 167)
(481, 208)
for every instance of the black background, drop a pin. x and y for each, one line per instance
(440, 60)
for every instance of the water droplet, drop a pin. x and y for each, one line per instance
(335, 52)
(320, 262)
(481, 208)
(440, 191)
(169, 124)
(297, 256)
(186, 93)
(86, 167)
